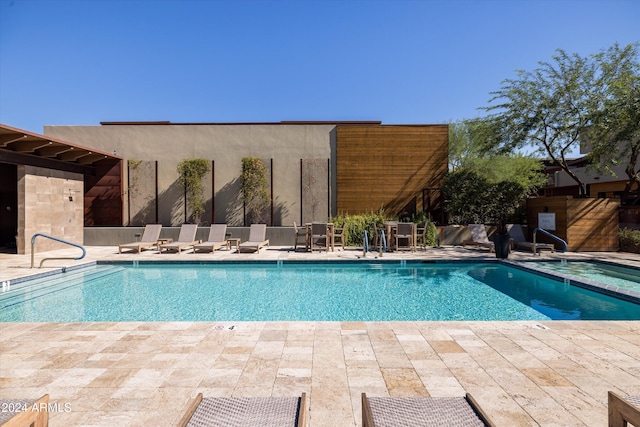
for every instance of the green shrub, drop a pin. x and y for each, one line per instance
(357, 224)
(629, 240)
(431, 234)
(422, 219)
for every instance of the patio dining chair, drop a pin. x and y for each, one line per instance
(375, 235)
(405, 231)
(422, 411)
(246, 411)
(338, 235)
(319, 236)
(300, 236)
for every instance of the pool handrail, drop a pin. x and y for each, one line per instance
(553, 236)
(33, 241)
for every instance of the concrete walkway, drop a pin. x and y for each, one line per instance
(134, 373)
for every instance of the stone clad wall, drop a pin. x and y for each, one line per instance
(49, 202)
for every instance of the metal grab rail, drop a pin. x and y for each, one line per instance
(553, 236)
(33, 241)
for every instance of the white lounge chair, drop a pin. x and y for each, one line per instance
(479, 237)
(519, 241)
(246, 411)
(149, 238)
(186, 239)
(217, 239)
(257, 238)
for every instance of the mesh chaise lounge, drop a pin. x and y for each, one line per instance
(217, 239)
(149, 238)
(623, 410)
(245, 412)
(257, 238)
(479, 237)
(25, 412)
(519, 241)
(422, 411)
(186, 239)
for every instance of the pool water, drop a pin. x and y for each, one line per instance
(304, 292)
(608, 274)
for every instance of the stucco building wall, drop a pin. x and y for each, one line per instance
(224, 145)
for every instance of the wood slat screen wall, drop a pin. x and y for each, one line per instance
(388, 165)
(103, 199)
(585, 224)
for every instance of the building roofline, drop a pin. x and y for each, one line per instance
(283, 122)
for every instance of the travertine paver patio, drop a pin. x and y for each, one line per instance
(135, 373)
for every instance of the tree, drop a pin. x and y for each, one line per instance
(191, 172)
(472, 148)
(470, 198)
(614, 135)
(255, 189)
(574, 100)
(547, 108)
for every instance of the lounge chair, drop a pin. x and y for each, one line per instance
(422, 411)
(479, 237)
(217, 239)
(300, 237)
(246, 411)
(519, 241)
(186, 239)
(257, 238)
(149, 238)
(25, 412)
(623, 410)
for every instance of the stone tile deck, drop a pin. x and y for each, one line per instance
(136, 373)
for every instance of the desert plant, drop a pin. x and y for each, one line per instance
(629, 240)
(191, 172)
(255, 189)
(357, 224)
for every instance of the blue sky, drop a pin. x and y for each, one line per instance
(72, 62)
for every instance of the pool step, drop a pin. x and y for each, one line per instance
(30, 289)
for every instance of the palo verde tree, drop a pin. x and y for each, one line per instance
(255, 189)
(191, 173)
(472, 148)
(547, 108)
(614, 135)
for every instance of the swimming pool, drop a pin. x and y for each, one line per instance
(304, 292)
(609, 276)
